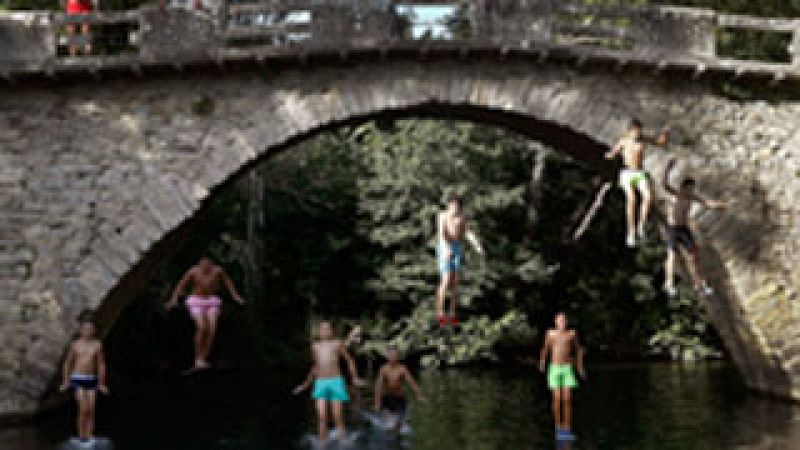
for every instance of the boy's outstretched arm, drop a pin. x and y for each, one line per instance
(667, 172)
(179, 289)
(67, 369)
(413, 383)
(714, 204)
(231, 288)
(351, 366)
(379, 390)
(473, 240)
(543, 353)
(579, 357)
(614, 151)
(312, 373)
(102, 386)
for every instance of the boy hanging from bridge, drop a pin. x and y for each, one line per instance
(680, 235)
(633, 177)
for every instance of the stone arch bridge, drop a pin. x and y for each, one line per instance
(105, 157)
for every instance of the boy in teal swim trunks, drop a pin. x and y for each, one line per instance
(559, 343)
(330, 390)
(452, 228)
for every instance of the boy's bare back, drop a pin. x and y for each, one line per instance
(326, 357)
(86, 354)
(206, 282)
(561, 344)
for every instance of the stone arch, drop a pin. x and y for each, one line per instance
(146, 155)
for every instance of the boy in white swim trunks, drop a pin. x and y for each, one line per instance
(204, 304)
(634, 178)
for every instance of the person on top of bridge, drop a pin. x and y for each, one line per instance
(77, 10)
(330, 390)
(633, 177)
(204, 304)
(680, 235)
(84, 371)
(452, 227)
(559, 344)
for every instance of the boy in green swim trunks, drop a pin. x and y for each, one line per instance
(633, 177)
(559, 343)
(330, 391)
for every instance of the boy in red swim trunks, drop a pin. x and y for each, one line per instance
(204, 304)
(76, 12)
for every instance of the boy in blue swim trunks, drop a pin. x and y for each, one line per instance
(85, 372)
(452, 228)
(559, 343)
(330, 390)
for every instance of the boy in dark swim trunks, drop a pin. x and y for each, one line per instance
(390, 395)
(85, 372)
(330, 390)
(560, 343)
(680, 235)
(204, 304)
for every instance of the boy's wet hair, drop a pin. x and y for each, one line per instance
(688, 182)
(453, 198)
(636, 123)
(86, 316)
(561, 313)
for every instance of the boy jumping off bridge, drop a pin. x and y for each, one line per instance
(204, 304)
(84, 371)
(452, 228)
(680, 235)
(330, 390)
(633, 177)
(559, 343)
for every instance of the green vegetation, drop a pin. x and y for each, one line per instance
(348, 233)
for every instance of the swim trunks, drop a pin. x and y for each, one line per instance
(79, 7)
(201, 305)
(81, 381)
(394, 403)
(330, 389)
(678, 235)
(453, 264)
(561, 376)
(632, 178)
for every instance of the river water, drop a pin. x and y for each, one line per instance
(638, 406)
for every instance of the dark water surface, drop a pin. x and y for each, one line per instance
(653, 406)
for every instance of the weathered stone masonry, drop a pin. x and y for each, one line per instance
(94, 174)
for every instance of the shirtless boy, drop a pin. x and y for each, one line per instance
(85, 372)
(634, 178)
(330, 391)
(390, 395)
(680, 235)
(560, 343)
(204, 304)
(452, 228)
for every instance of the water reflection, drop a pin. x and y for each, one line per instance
(658, 406)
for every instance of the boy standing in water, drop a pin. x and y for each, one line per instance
(204, 304)
(452, 227)
(680, 235)
(633, 177)
(330, 391)
(390, 395)
(559, 343)
(85, 372)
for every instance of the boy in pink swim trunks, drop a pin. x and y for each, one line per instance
(204, 304)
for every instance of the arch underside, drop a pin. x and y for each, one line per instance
(155, 150)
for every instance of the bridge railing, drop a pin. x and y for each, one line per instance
(663, 37)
